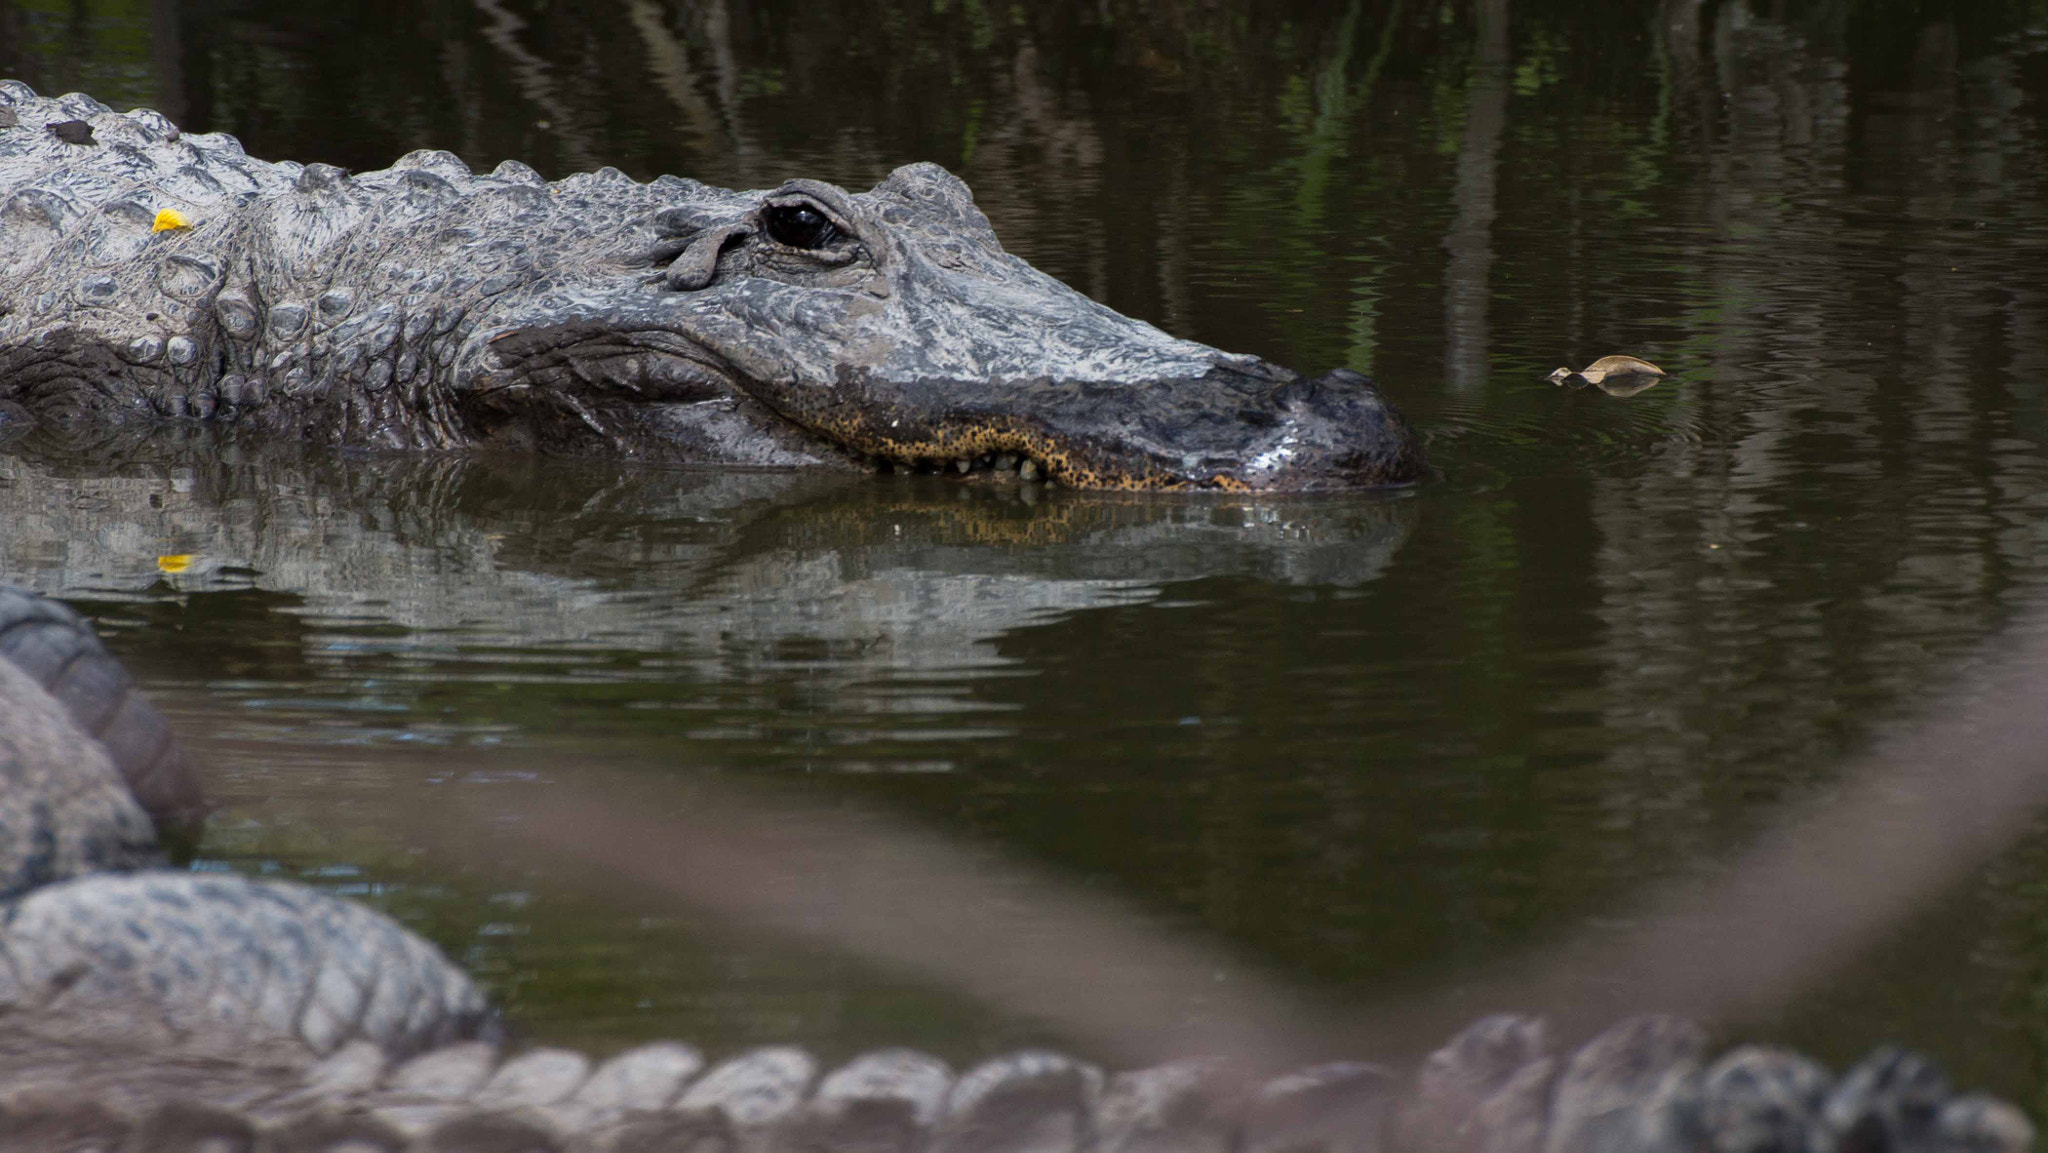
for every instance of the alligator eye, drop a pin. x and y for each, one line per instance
(800, 226)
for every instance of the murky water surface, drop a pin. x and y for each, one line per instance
(1369, 742)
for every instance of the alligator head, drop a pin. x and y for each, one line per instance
(890, 327)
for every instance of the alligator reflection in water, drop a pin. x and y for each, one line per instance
(702, 561)
(419, 587)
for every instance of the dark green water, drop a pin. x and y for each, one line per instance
(1369, 742)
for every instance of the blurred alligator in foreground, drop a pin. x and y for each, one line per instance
(147, 274)
(147, 1008)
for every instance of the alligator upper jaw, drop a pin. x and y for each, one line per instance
(1231, 429)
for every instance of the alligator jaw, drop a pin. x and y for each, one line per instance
(590, 386)
(1242, 426)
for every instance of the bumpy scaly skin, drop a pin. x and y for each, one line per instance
(1642, 1087)
(54, 647)
(64, 810)
(425, 306)
(163, 1010)
(227, 964)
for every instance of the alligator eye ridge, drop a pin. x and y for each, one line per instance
(800, 226)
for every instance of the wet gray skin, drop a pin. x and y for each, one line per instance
(424, 306)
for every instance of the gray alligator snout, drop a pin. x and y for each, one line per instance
(1328, 432)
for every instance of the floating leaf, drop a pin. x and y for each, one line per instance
(1619, 366)
(174, 562)
(168, 219)
(1616, 375)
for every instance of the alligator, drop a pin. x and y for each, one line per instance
(145, 1007)
(148, 274)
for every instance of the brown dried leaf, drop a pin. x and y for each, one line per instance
(1617, 375)
(1619, 366)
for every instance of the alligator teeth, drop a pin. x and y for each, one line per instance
(1021, 467)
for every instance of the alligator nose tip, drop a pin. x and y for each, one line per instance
(1340, 432)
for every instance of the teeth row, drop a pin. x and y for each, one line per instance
(1024, 467)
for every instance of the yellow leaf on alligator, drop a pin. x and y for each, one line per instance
(170, 218)
(174, 562)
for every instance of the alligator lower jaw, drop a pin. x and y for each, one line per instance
(999, 446)
(736, 429)
(1232, 428)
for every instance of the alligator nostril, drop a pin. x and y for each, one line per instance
(1304, 390)
(1300, 390)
